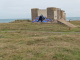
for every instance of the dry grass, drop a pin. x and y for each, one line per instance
(31, 43)
(28, 26)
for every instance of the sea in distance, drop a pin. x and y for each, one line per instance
(11, 20)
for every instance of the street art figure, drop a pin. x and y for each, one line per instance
(41, 18)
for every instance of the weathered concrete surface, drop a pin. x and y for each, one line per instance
(43, 12)
(66, 23)
(34, 13)
(55, 15)
(63, 14)
(50, 12)
(58, 13)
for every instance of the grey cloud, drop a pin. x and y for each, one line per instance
(22, 8)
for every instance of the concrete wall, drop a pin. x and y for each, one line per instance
(58, 13)
(50, 12)
(55, 15)
(34, 13)
(43, 12)
(62, 14)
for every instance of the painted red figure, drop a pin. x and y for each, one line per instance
(69, 28)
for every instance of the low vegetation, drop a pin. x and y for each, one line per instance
(24, 40)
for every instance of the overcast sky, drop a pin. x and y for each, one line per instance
(11, 9)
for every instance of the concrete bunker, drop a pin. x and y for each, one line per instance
(52, 14)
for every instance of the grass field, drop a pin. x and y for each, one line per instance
(23, 40)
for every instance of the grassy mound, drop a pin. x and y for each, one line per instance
(37, 41)
(45, 27)
(20, 21)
